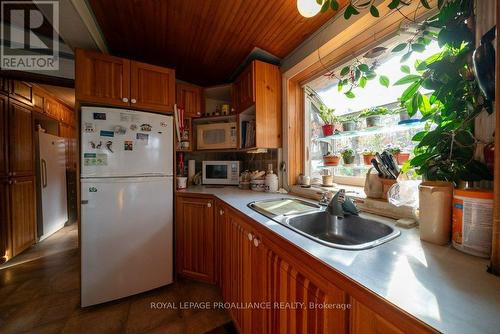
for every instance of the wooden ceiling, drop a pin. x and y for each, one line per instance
(204, 40)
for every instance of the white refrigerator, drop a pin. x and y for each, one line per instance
(51, 181)
(126, 203)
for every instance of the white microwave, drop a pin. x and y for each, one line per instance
(221, 172)
(216, 136)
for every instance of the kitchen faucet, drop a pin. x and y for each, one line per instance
(339, 204)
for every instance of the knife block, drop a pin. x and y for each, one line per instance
(386, 184)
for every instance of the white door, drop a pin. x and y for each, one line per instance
(120, 142)
(126, 237)
(53, 183)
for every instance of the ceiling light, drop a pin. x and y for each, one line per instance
(308, 8)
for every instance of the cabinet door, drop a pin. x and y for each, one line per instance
(38, 100)
(22, 213)
(195, 238)
(5, 85)
(52, 108)
(152, 87)
(21, 140)
(102, 79)
(189, 98)
(22, 92)
(244, 89)
(3, 136)
(5, 232)
(365, 321)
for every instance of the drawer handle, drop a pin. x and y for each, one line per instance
(125, 100)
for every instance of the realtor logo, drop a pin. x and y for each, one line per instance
(30, 40)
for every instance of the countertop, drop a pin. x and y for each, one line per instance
(447, 289)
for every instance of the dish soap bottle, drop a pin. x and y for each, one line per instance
(271, 180)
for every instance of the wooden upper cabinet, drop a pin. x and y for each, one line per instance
(3, 136)
(189, 97)
(244, 89)
(194, 227)
(22, 92)
(152, 87)
(52, 107)
(38, 100)
(102, 79)
(22, 213)
(21, 140)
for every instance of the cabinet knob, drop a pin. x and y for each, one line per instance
(221, 212)
(133, 100)
(125, 100)
(250, 236)
(13, 173)
(10, 181)
(256, 242)
(209, 205)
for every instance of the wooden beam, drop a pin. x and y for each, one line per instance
(38, 78)
(495, 252)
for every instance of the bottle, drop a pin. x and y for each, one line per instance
(271, 180)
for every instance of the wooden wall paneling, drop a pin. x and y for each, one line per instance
(101, 78)
(20, 140)
(295, 131)
(52, 107)
(267, 88)
(22, 212)
(495, 254)
(4, 149)
(5, 226)
(152, 87)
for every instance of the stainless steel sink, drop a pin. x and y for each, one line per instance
(351, 232)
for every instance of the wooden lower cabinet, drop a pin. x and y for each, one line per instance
(365, 321)
(5, 233)
(194, 226)
(275, 297)
(22, 213)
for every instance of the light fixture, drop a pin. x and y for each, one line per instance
(308, 8)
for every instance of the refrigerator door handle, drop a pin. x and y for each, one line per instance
(44, 173)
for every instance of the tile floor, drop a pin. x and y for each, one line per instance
(39, 293)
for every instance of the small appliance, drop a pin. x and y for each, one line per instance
(216, 136)
(221, 172)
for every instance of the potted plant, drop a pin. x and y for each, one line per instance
(348, 122)
(330, 159)
(368, 156)
(373, 116)
(404, 116)
(401, 157)
(326, 115)
(348, 156)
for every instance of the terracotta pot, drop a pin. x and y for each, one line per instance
(327, 130)
(331, 160)
(367, 159)
(402, 157)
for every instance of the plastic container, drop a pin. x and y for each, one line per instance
(435, 198)
(258, 185)
(473, 221)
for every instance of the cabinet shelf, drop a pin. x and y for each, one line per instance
(375, 131)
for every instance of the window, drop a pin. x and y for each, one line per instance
(394, 131)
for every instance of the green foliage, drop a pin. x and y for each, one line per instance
(347, 153)
(327, 114)
(377, 111)
(445, 150)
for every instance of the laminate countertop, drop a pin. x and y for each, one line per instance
(447, 289)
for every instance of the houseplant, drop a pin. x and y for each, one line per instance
(348, 156)
(373, 116)
(368, 156)
(401, 156)
(348, 122)
(326, 115)
(330, 159)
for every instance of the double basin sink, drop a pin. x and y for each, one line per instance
(311, 220)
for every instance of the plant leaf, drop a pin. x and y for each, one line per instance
(350, 94)
(334, 4)
(374, 11)
(407, 79)
(406, 56)
(400, 47)
(363, 81)
(405, 69)
(418, 47)
(384, 81)
(410, 91)
(394, 4)
(425, 3)
(344, 71)
(364, 68)
(371, 75)
(319, 2)
(325, 6)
